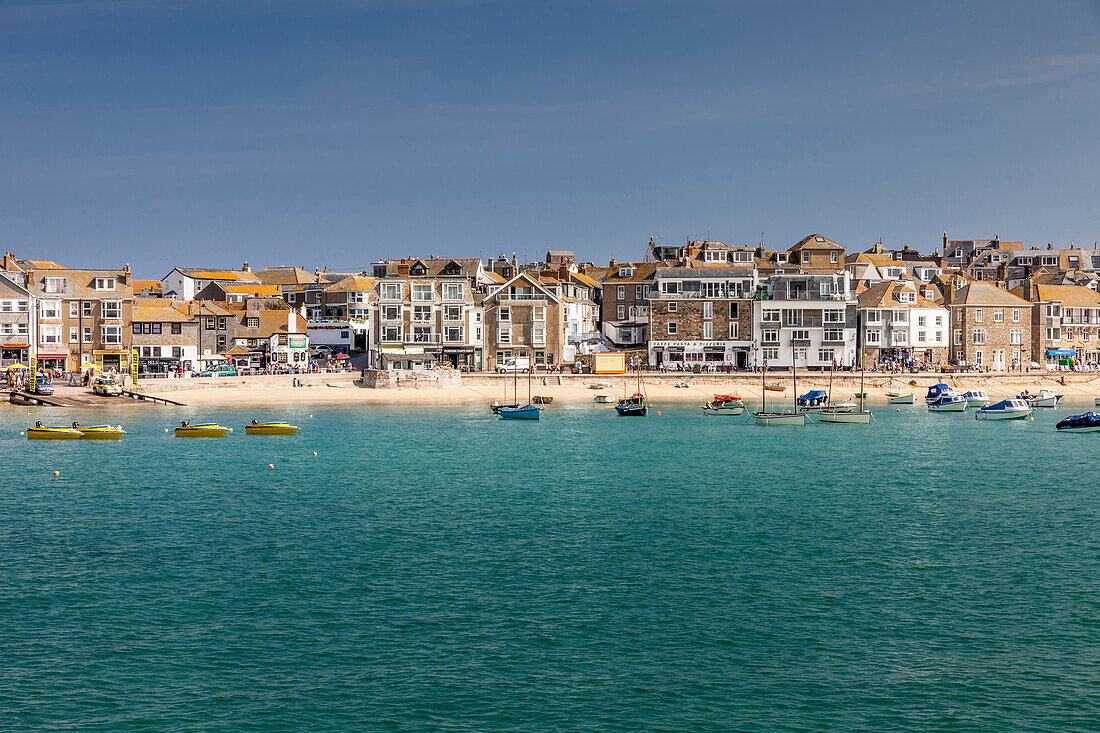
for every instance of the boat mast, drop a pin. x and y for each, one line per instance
(794, 374)
(530, 369)
(829, 397)
(763, 390)
(861, 392)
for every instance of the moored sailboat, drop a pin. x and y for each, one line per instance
(520, 412)
(786, 419)
(843, 412)
(636, 405)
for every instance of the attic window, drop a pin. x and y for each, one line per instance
(626, 271)
(252, 322)
(819, 239)
(418, 269)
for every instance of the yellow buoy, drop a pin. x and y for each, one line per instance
(56, 473)
(22, 433)
(314, 452)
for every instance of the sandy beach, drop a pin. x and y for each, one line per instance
(482, 389)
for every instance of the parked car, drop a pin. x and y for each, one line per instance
(221, 370)
(106, 386)
(519, 364)
(42, 386)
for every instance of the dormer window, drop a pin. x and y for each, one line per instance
(713, 255)
(780, 256)
(626, 271)
(252, 322)
(104, 283)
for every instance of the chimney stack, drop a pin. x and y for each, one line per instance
(246, 268)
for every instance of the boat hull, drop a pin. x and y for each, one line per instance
(849, 418)
(1044, 401)
(53, 434)
(271, 429)
(780, 419)
(102, 432)
(632, 410)
(526, 412)
(723, 410)
(905, 399)
(603, 400)
(1001, 414)
(950, 407)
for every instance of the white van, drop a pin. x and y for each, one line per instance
(519, 364)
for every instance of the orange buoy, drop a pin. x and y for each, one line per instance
(56, 473)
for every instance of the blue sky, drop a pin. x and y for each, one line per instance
(333, 132)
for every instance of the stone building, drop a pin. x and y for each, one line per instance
(164, 336)
(1065, 323)
(624, 302)
(816, 255)
(432, 307)
(701, 315)
(83, 317)
(524, 317)
(990, 328)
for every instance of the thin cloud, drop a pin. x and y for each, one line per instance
(1042, 70)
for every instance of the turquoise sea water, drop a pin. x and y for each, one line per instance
(440, 570)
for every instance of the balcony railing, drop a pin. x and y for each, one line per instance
(422, 338)
(698, 294)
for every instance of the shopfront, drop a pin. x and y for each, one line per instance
(459, 357)
(674, 354)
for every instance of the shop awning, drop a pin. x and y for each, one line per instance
(1061, 352)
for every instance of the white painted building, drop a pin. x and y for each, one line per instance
(806, 320)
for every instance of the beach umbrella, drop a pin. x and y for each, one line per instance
(341, 355)
(17, 365)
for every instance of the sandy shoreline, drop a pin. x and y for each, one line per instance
(698, 391)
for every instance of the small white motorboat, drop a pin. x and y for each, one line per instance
(948, 401)
(1047, 397)
(976, 398)
(899, 399)
(1010, 409)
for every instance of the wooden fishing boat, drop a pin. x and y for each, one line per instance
(603, 399)
(542, 400)
(774, 387)
(895, 398)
